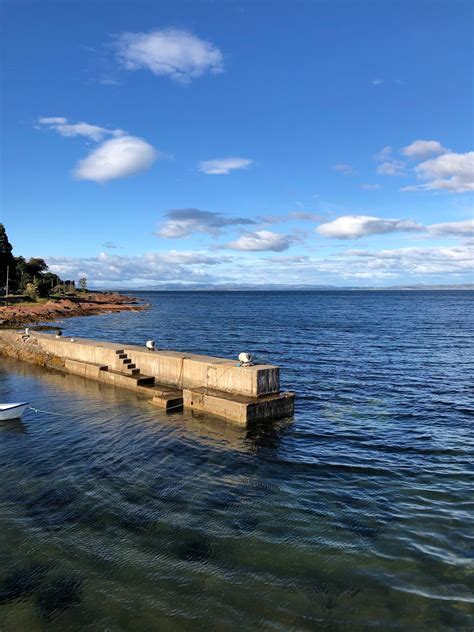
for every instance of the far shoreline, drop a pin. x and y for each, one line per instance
(170, 288)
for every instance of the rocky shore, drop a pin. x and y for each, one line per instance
(88, 304)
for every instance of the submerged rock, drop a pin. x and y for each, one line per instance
(59, 595)
(22, 582)
(54, 508)
(194, 550)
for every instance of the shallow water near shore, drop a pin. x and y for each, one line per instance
(356, 514)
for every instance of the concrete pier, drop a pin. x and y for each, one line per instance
(170, 379)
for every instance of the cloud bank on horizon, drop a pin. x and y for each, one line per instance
(303, 196)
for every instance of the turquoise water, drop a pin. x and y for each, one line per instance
(355, 515)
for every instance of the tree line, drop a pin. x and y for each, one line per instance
(29, 277)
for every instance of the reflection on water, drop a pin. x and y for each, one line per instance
(13, 425)
(356, 514)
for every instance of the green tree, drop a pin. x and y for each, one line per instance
(35, 266)
(46, 284)
(83, 284)
(29, 276)
(7, 259)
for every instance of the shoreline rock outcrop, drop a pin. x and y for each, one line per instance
(89, 304)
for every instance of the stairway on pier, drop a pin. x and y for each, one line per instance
(127, 375)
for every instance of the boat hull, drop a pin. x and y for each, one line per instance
(12, 411)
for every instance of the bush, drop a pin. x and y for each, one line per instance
(31, 290)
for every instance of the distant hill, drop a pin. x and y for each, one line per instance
(236, 287)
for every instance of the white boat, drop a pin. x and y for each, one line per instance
(12, 411)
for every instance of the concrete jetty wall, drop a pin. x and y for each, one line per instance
(171, 379)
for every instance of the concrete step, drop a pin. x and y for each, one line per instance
(168, 403)
(135, 371)
(127, 361)
(169, 399)
(239, 408)
(86, 369)
(130, 380)
(130, 365)
(119, 351)
(145, 380)
(122, 356)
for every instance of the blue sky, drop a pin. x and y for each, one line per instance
(250, 142)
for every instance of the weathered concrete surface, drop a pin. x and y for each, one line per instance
(168, 401)
(216, 386)
(171, 368)
(12, 345)
(91, 371)
(166, 398)
(239, 409)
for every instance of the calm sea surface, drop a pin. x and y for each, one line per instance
(357, 514)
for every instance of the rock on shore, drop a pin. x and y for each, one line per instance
(77, 305)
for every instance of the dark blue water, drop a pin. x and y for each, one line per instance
(355, 515)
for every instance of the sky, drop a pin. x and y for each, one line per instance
(221, 142)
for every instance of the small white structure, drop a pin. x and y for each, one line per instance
(150, 345)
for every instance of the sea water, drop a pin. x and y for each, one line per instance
(356, 514)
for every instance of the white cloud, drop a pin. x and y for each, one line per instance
(391, 168)
(347, 267)
(220, 166)
(411, 264)
(355, 226)
(417, 261)
(108, 270)
(453, 229)
(345, 169)
(422, 148)
(172, 52)
(379, 82)
(52, 120)
(116, 158)
(263, 240)
(369, 187)
(304, 216)
(109, 82)
(384, 154)
(448, 172)
(93, 132)
(184, 222)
